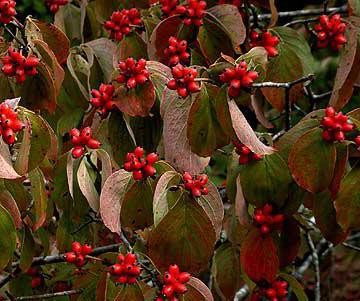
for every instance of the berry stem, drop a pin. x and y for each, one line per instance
(15, 37)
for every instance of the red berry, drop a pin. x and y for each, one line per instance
(78, 151)
(86, 249)
(116, 269)
(80, 261)
(36, 282)
(76, 247)
(93, 144)
(70, 257)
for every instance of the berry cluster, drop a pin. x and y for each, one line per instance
(335, 125)
(133, 72)
(266, 40)
(140, 165)
(357, 141)
(78, 254)
(237, 78)
(193, 12)
(195, 184)
(9, 124)
(245, 154)
(121, 23)
(168, 7)
(36, 277)
(54, 5)
(126, 269)
(267, 220)
(102, 99)
(330, 32)
(7, 11)
(276, 291)
(17, 65)
(184, 80)
(176, 52)
(174, 283)
(81, 139)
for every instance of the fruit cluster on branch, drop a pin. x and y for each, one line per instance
(267, 220)
(54, 5)
(265, 39)
(176, 52)
(7, 11)
(335, 125)
(102, 99)
(184, 80)
(9, 124)
(81, 140)
(78, 254)
(140, 165)
(245, 154)
(126, 270)
(133, 73)
(196, 184)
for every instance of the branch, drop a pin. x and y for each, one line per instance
(303, 13)
(315, 260)
(286, 85)
(352, 247)
(48, 296)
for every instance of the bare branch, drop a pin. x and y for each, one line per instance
(286, 85)
(48, 296)
(350, 246)
(315, 260)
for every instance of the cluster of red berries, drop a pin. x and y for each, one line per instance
(184, 80)
(17, 65)
(176, 52)
(54, 5)
(126, 269)
(133, 72)
(81, 139)
(78, 254)
(266, 40)
(238, 77)
(277, 291)
(174, 283)
(36, 277)
(357, 141)
(245, 154)
(193, 12)
(196, 184)
(330, 32)
(9, 124)
(267, 220)
(335, 125)
(121, 23)
(7, 11)
(168, 7)
(140, 165)
(102, 99)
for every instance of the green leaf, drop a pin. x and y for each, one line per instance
(87, 184)
(325, 217)
(266, 181)
(186, 235)
(130, 292)
(112, 197)
(137, 209)
(204, 131)
(9, 203)
(294, 60)
(226, 271)
(312, 161)
(130, 46)
(69, 20)
(210, 36)
(295, 286)
(69, 121)
(8, 234)
(347, 202)
(27, 249)
(39, 196)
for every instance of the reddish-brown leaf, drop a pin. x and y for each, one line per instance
(259, 258)
(342, 156)
(198, 291)
(289, 243)
(8, 202)
(7, 170)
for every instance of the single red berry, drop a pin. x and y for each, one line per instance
(70, 257)
(76, 247)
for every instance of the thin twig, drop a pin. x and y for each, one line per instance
(286, 85)
(49, 295)
(315, 260)
(15, 37)
(302, 21)
(350, 246)
(125, 241)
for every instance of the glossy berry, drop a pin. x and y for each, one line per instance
(15, 64)
(330, 32)
(54, 5)
(265, 39)
(192, 12)
(276, 291)
(176, 52)
(81, 140)
(174, 283)
(7, 11)
(9, 124)
(126, 270)
(245, 154)
(168, 7)
(357, 141)
(78, 254)
(36, 277)
(267, 220)
(184, 81)
(335, 125)
(36, 282)
(140, 165)
(122, 22)
(237, 78)
(196, 184)
(102, 99)
(133, 73)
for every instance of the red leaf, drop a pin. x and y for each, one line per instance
(290, 241)
(198, 291)
(259, 257)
